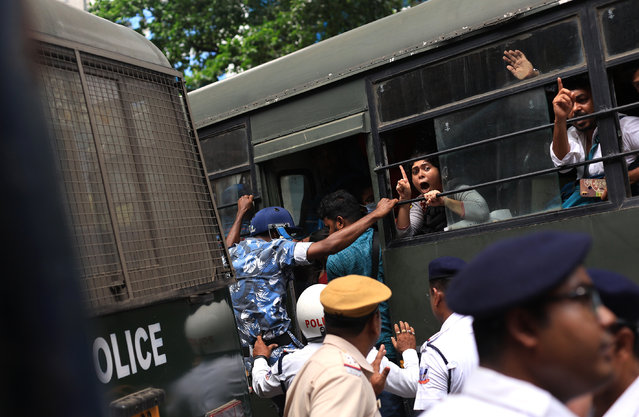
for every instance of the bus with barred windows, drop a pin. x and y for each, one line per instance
(433, 82)
(151, 259)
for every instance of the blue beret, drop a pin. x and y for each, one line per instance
(444, 267)
(516, 270)
(618, 293)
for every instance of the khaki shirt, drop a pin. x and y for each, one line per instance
(333, 382)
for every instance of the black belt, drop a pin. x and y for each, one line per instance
(281, 340)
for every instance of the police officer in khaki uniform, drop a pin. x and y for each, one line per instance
(336, 379)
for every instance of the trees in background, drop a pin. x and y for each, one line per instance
(206, 39)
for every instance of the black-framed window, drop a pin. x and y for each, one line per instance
(228, 159)
(493, 136)
(478, 71)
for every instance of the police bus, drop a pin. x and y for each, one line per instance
(152, 260)
(431, 81)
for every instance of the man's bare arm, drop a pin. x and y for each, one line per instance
(344, 237)
(562, 105)
(244, 204)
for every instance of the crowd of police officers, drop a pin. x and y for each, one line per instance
(521, 335)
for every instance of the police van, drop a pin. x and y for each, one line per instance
(151, 257)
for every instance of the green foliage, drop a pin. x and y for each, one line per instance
(208, 38)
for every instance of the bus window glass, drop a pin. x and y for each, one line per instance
(292, 188)
(227, 190)
(512, 155)
(478, 72)
(619, 26)
(225, 150)
(508, 157)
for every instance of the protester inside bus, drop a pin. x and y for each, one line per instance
(429, 215)
(541, 332)
(338, 210)
(263, 266)
(580, 142)
(519, 65)
(635, 79)
(450, 355)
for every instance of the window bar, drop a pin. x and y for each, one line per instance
(102, 165)
(524, 176)
(598, 114)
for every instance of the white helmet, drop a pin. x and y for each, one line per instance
(207, 329)
(310, 313)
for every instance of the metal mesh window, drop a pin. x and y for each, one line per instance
(143, 220)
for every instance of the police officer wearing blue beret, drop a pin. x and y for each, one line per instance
(541, 331)
(621, 396)
(450, 355)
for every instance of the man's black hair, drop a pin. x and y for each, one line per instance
(441, 283)
(340, 203)
(578, 82)
(433, 160)
(490, 332)
(408, 167)
(347, 326)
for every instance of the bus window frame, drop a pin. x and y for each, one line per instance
(595, 67)
(249, 166)
(308, 179)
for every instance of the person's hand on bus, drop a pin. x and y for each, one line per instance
(244, 204)
(432, 198)
(405, 337)
(262, 349)
(519, 65)
(403, 186)
(384, 206)
(378, 379)
(563, 102)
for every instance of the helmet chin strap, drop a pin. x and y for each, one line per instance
(281, 230)
(283, 233)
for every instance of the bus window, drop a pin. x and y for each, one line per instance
(225, 150)
(476, 72)
(618, 24)
(501, 159)
(306, 176)
(227, 158)
(294, 190)
(505, 158)
(227, 190)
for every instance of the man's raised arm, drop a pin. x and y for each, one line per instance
(344, 237)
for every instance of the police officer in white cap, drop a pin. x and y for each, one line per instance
(335, 381)
(275, 380)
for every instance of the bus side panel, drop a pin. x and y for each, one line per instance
(190, 349)
(406, 268)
